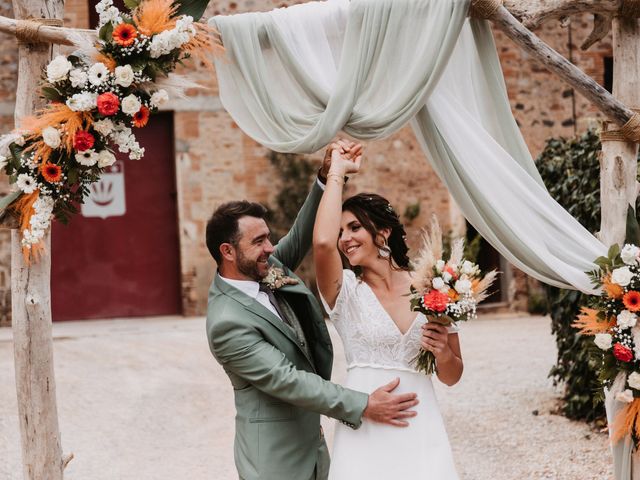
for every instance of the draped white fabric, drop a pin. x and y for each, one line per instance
(294, 77)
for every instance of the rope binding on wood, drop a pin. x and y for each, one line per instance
(27, 30)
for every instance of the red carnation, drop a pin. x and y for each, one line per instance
(436, 301)
(108, 104)
(622, 353)
(83, 141)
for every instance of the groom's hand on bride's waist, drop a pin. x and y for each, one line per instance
(393, 409)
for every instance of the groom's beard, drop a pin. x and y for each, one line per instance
(249, 267)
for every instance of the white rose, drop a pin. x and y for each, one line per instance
(438, 283)
(124, 75)
(106, 159)
(103, 127)
(78, 78)
(98, 73)
(51, 137)
(88, 158)
(626, 319)
(58, 69)
(621, 276)
(629, 254)
(131, 105)
(159, 98)
(634, 380)
(463, 286)
(626, 396)
(446, 276)
(603, 341)
(440, 265)
(82, 102)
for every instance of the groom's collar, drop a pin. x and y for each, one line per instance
(249, 287)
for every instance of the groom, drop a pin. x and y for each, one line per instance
(267, 330)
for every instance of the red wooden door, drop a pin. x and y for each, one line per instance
(126, 264)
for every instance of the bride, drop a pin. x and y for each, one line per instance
(369, 307)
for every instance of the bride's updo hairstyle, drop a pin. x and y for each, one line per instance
(376, 213)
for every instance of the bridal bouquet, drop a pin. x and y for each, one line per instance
(446, 292)
(612, 318)
(96, 95)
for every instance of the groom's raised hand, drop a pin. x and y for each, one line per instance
(386, 407)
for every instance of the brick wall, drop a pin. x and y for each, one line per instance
(216, 162)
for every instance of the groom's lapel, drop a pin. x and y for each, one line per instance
(254, 307)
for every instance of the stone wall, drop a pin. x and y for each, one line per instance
(216, 162)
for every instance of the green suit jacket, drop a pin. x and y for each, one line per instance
(279, 391)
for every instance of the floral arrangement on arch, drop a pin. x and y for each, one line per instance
(612, 318)
(446, 292)
(96, 97)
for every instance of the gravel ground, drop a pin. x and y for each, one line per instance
(143, 399)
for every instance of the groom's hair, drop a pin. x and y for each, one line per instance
(222, 227)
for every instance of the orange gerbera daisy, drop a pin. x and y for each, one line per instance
(631, 300)
(124, 34)
(51, 172)
(141, 118)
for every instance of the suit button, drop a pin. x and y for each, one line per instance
(302, 344)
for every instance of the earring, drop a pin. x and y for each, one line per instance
(384, 251)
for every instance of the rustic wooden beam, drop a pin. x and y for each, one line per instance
(46, 33)
(30, 290)
(619, 160)
(533, 13)
(614, 109)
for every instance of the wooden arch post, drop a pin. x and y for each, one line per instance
(30, 287)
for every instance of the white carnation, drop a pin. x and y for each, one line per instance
(629, 254)
(131, 105)
(58, 69)
(446, 276)
(106, 159)
(51, 137)
(634, 380)
(621, 276)
(625, 396)
(88, 158)
(82, 102)
(110, 15)
(98, 73)
(438, 283)
(78, 78)
(468, 267)
(26, 183)
(159, 98)
(603, 341)
(103, 127)
(626, 319)
(124, 75)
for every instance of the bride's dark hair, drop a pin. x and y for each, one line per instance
(375, 213)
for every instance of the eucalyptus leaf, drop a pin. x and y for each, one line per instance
(106, 32)
(194, 8)
(131, 4)
(633, 228)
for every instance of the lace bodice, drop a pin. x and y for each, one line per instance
(370, 336)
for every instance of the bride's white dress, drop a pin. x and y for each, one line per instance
(376, 353)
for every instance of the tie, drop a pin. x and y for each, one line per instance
(274, 301)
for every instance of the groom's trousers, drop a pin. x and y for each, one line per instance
(321, 472)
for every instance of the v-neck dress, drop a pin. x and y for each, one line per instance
(377, 352)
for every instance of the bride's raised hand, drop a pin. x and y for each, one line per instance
(346, 157)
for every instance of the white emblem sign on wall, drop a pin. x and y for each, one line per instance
(106, 197)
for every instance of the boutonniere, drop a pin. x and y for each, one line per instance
(276, 278)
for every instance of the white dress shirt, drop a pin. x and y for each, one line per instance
(252, 289)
